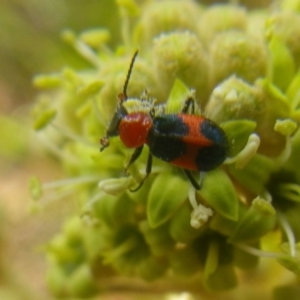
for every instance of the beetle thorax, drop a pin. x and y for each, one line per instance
(134, 129)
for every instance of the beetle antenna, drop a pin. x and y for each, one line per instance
(128, 75)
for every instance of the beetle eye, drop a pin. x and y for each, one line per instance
(113, 129)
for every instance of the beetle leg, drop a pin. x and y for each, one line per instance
(197, 185)
(202, 175)
(148, 171)
(189, 102)
(135, 155)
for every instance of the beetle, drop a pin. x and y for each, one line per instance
(186, 140)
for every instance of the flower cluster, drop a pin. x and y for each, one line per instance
(243, 67)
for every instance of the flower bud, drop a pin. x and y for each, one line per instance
(81, 283)
(286, 127)
(73, 230)
(115, 186)
(256, 222)
(236, 53)
(47, 81)
(63, 251)
(152, 268)
(43, 118)
(181, 55)
(220, 18)
(95, 37)
(165, 17)
(90, 89)
(233, 99)
(262, 103)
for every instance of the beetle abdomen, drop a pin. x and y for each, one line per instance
(189, 141)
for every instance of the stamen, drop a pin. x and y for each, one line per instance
(97, 197)
(285, 154)
(59, 189)
(70, 181)
(200, 213)
(56, 150)
(72, 135)
(85, 51)
(290, 191)
(54, 197)
(257, 252)
(289, 233)
(192, 197)
(244, 156)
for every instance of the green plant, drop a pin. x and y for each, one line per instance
(244, 67)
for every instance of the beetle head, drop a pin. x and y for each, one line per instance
(113, 128)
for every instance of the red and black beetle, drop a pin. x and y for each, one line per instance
(189, 141)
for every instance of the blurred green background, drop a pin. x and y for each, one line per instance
(30, 40)
(30, 43)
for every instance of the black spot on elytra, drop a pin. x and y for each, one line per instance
(164, 138)
(210, 157)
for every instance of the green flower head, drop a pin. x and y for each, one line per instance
(142, 217)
